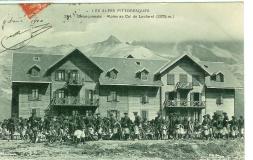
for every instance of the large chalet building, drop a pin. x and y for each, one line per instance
(73, 83)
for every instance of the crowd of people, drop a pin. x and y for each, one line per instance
(81, 128)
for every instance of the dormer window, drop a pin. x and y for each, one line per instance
(34, 71)
(218, 77)
(213, 77)
(36, 58)
(142, 74)
(112, 73)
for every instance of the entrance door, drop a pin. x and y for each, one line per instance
(183, 98)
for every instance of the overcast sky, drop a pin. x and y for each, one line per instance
(192, 21)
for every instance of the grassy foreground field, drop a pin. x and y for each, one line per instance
(125, 150)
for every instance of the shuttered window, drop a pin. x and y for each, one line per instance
(74, 76)
(60, 94)
(60, 75)
(144, 115)
(144, 99)
(195, 80)
(112, 96)
(35, 111)
(170, 79)
(34, 95)
(183, 78)
(219, 99)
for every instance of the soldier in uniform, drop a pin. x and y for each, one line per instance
(158, 125)
(219, 126)
(234, 127)
(137, 125)
(11, 126)
(126, 124)
(98, 125)
(112, 120)
(34, 127)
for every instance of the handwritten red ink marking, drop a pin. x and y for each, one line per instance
(32, 9)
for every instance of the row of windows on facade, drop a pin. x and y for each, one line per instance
(112, 97)
(63, 75)
(195, 96)
(183, 78)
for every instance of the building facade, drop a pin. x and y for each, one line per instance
(74, 83)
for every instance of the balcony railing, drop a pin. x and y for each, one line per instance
(183, 103)
(75, 81)
(184, 85)
(75, 101)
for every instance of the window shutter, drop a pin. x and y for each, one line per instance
(87, 100)
(170, 79)
(56, 76)
(39, 94)
(191, 97)
(67, 76)
(200, 97)
(29, 94)
(109, 97)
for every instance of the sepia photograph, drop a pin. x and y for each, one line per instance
(101, 81)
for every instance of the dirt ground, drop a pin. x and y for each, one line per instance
(125, 150)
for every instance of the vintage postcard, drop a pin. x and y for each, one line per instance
(122, 81)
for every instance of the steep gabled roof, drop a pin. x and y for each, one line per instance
(230, 81)
(175, 60)
(127, 69)
(22, 62)
(75, 51)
